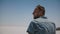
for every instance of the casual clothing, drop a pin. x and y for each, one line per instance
(41, 26)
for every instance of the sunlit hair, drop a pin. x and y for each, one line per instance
(40, 8)
(39, 11)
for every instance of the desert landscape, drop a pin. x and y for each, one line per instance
(15, 30)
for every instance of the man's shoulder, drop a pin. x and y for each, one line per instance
(42, 21)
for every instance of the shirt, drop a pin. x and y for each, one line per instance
(41, 26)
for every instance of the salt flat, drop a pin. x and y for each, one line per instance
(15, 30)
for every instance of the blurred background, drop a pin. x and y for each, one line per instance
(16, 15)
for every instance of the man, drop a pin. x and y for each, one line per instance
(40, 24)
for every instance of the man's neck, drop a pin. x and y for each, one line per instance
(40, 17)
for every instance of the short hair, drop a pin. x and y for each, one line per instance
(40, 8)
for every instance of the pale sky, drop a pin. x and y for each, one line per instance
(19, 12)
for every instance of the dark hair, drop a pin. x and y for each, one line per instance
(39, 11)
(40, 8)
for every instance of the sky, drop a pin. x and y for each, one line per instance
(19, 12)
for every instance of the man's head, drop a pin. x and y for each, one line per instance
(39, 11)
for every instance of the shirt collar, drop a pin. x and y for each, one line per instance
(41, 19)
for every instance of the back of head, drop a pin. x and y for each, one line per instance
(39, 11)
